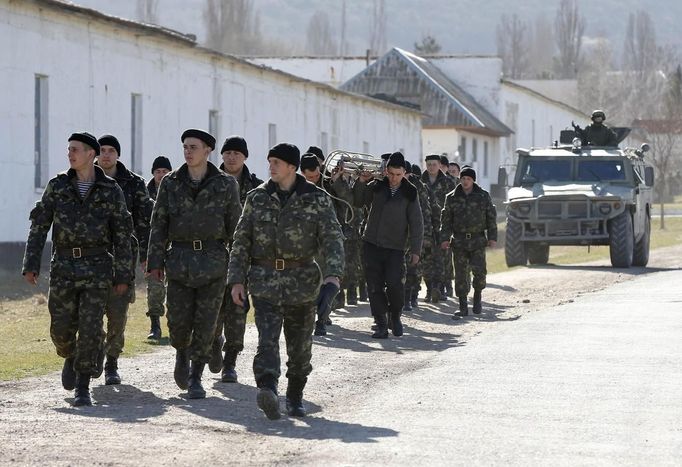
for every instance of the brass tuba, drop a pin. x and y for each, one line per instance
(354, 163)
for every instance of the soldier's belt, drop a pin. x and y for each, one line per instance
(79, 252)
(198, 245)
(282, 264)
(468, 235)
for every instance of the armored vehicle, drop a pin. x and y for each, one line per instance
(572, 195)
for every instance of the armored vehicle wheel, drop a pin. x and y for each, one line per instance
(621, 240)
(514, 248)
(537, 253)
(640, 256)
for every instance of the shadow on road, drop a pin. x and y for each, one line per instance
(120, 403)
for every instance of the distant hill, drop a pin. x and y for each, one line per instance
(460, 26)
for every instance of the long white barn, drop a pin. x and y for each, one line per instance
(66, 68)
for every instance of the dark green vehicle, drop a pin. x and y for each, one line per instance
(573, 195)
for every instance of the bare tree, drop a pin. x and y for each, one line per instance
(541, 48)
(319, 40)
(569, 27)
(640, 49)
(377, 28)
(428, 46)
(147, 11)
(598, 86)
(512, 46)
(232, 26)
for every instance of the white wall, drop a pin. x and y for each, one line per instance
(93, 66)
(331, 71)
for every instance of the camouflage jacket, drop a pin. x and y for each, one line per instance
(187, 215)
(439, 189)
(247, 182)
(472, 216)
(139, 205)
(598, 135)
(342, 199)
(101, 220)
(296, 231)
(393, 221)
(152, 189)
(427, 213)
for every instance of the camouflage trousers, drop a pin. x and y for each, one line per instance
(193, 315)
(116, 312)
(156, 296)
(298, 322)
(412, 273)
(231, 321)
(353, 269)
(432, 264)
(448, 268)
(76, 316)
(469, 261)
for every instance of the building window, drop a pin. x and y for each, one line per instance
(474, 150)
(485, 158)
(41, 159)
(324, 142)
(463, 150)
(136, 133)
(272, 134)
(365, 147)
(214, 129)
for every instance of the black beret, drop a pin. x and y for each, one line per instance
(408, 167)
(444, 160)
(235, 143)
(468, 172)
(316, 151)
(396, 160)
(199, 134)
(309, 161)
(286, 152)
(432, 157)
(454, 163)
(86, 138)
(161, 162)
(110, 140)
(416, 170)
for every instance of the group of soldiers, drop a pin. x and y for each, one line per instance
(214, 242)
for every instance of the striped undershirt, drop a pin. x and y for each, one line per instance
(83, 188)
(394, 190)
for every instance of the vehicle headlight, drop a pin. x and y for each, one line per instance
(604, 208)
(577, 143)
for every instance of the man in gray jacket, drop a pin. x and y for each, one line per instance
(394, 223)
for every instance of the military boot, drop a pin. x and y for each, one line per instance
(215, 364)
(352, 296)
(382, 327)
(363, 292)
(463, 308)
(320, 328)
(181, 373)
(478, 306)
(155, 330)
(408, 294)
(194, 388)
(229, 374)
(267, 397)
(111, 375)
(294, 399)
(68, 374)
(82, 394)
(396, 324)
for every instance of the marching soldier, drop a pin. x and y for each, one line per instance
(285, 222)
(196, 210)
(453, 170)
(140, 207)
(91, 232)
(232, 318)
(414, 273)
(439, 185)
(468, 226)
(156, 290)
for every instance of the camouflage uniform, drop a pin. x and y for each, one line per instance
(414, 273)
(140, 205)
(468, 222)
(232, 318)
(271, 235)
(440, 267)
(196, 223)
(91, 251)
(156, 290)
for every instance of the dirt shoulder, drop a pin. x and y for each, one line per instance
(148, 420)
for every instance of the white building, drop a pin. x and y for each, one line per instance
(67, 68)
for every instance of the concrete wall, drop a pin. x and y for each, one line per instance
(93, 66)
(332, 71)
